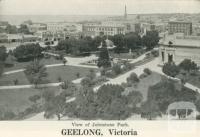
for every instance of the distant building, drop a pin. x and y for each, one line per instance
(62, 26)
(180, 27)
(17, 38)
(37, 27)
(97, 29)
(145, 27)
(177, 47)
(3, 24)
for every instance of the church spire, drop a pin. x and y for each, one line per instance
(125, 13)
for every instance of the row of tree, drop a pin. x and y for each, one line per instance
(12, 29)
(187, 65)
(122, 42)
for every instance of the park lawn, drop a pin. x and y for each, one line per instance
(7, 80)
(146, 82)
(17, 100)
(66, 73)
(22, 65)
(192, 79)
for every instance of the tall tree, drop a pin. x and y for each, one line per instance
(104, 59)
(171, 69)
(188, 65)
(28, 52)
(151, 39)
(55, 106)
(3, 53)
(24, 29)
(11, 29)
(36, 72)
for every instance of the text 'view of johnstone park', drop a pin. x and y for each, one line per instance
(130, 66)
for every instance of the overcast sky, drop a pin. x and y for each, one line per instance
(93, 7)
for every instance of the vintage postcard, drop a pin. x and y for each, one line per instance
(99, 68)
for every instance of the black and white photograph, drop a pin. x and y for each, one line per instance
(80, 60)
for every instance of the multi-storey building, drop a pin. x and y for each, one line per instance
(180, 27)
(37, 27)
(178, 47)
(96, 29)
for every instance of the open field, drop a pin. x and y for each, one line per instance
(148, 81)
(21, 65)
(192, 79)
(7, 80)
(17, 100)
(66, 73)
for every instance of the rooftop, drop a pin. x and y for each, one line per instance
(182, 41)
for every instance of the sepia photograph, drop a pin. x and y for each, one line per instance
(79, 60)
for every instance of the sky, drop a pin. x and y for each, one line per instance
(96, 7)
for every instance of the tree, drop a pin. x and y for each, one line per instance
(28, 52)
(188, 65)
(132, 41)
(87, 82)
(118, 41)
(75, 46)
(11, 29)
(104, 59)
(116, 68)
(3, 53)
(150, 110)
(151, 39)
(24, 29)
(169, 91)
(134, 97)
(133, 79)
(147, 71)
(55, 106)
(15, 81)
(171, 69)
(64, 61)
(36, 72)
(1, 68)
(78, 75)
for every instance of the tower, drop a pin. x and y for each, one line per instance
(125, 13)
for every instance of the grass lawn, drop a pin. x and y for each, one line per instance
(7, 80)
(21, 65)
(192, 79)
(17, 100)
(65, 72)
(148, 81)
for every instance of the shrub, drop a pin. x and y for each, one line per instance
(110, 74)
(133, 78)
(188, 65)
(155, 53)
(198, 117)
(117, 69)
(143, 75)
(147, 71)
(171, 69)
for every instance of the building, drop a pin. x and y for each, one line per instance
(177, 47)
(64, 26)
(37, 27)
(17, 38)
(180, 27)
(97, 29)
(145, 27)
